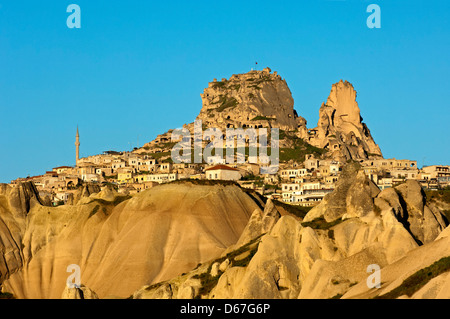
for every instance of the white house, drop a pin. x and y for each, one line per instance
(222, 172)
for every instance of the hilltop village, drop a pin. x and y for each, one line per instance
(310, 159)
(300, 183)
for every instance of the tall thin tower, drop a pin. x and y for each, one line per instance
(77, 146)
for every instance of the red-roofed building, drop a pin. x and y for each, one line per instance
(223, 172)
(51, 174)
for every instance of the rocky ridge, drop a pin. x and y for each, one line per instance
(151, 236)
(262, 99)
(243, 246)
(251, 100)
(327, 253)
(340, 129)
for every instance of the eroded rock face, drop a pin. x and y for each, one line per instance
(262, 99)
(119, 242)
(15, 205)
(259, 224)
(353, 196)
(82, 292)
(407, 201)
(254, 99)
(83, 192)
(326, 254)
(357, 196)
(340, 128)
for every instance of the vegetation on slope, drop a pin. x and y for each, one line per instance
(419, 279)
(238, 258)
(296, 210)
(321, 223)
(299, 149)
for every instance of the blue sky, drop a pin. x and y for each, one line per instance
(136, 69)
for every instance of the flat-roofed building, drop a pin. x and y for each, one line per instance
(223, 172)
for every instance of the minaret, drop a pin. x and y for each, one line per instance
(77, 147)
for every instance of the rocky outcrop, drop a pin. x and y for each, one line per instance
(259, 224)
(234, 247)
(121, 242)
(353, 196)
(192, 285)
(325, 255)
(82, 292)
(254, 99)
(422, 273)
(22, 197)
(262, 99)
(15, 205)
(357, 196)
(408, 203)
(84, 192)
(340, 129)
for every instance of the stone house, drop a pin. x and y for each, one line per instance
(222, 172)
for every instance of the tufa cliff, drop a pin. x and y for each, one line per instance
(262, 99)
(254, 99)
(120, 242)
(340, 129)
(203, 240)
(326, 253)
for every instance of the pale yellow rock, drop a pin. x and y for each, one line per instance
(248, 100)
(309, 251)
(273, 271)
(259, 224)
(328, 279)
(436, 288)
(228, 285)
(224, 265)
(188, 289)
(215, 269)
(340, 128)
(444, 233)
(396, 240)
(292, 261)
(156, 235)
(394, 274)
(82, 292)
(409, 206)
(352, 197)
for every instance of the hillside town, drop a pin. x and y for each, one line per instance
(310, 160)
(302, 183)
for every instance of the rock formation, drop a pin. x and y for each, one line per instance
(353, 196)
(327, 254)
(84, 192)
(254, 99)
(423, 273)
(15, 206)
(195, 240)
(120, 242)
(257, 99)
(82, 292)
(340, 129)
(262, 99)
